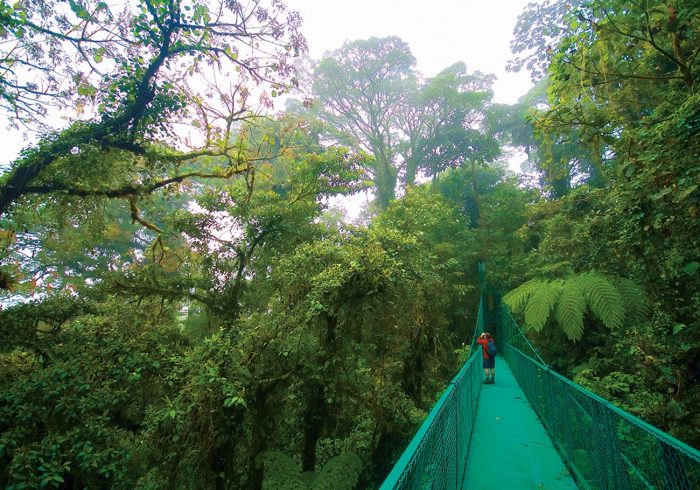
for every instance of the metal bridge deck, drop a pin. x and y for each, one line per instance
(509, 447)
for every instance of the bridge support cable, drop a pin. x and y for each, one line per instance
(437, 455)
(603, 446)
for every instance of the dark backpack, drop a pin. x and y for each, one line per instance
(491, 348)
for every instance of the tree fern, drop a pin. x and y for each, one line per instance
(634, 298)
(518, 298)
(603, 298)
(339, 473)
(612, 301)
(570, 309)
(541, 303)
(280, 471)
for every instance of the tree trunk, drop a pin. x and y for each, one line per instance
(411, 169)
(413, 378)
(385, 452)
(257, 439)
(313, 420)
(385, 180)
(475, 193)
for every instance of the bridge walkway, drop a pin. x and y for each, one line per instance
(509, 447)
(480, 436)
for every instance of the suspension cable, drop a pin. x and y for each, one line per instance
(520, 331)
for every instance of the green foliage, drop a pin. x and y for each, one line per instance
(444, 245)
(341, 472)
(517, 299)
(570, 310)
(123, 149)
(448, 126)
(339, 340)
(637, 307)
(213, 328)
(621, 90)
(541, 303)
(72, 416)
(603, 298)
(362, 87)
(571, 298)
(370, 97)
(281, 471)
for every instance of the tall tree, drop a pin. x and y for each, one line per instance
(447, 125)
(132, 76)
(408, 124)
(555, 157)
(362, 88)
(594, 89)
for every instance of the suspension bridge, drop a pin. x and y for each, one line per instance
(535, 429)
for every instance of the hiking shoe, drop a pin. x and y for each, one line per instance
(488, 381)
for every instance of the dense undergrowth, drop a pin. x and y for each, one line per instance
(199, 315)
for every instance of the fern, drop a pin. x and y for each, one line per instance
(541, 304)
(604, 300)
(519, 297)
(570, 309)
(280, 471)
(634, 298)
(611, 300)
(339, 473)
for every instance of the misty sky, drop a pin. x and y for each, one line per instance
(439, 32)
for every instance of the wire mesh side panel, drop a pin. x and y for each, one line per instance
(604, 446)
(437, 455)
(433, 464)
(467, 386)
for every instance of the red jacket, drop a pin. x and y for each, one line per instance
(484, 343)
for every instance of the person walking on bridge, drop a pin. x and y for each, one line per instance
(489, 357)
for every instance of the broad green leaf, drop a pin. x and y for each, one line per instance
(691, 268)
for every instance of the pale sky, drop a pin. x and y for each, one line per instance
(439, 32)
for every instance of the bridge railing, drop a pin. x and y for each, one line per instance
(603, 446)
(437, 455)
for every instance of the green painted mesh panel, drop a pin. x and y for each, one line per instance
(437, 454)
(604, 446)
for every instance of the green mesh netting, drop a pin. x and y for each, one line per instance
(603, 446)
(437, 454)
